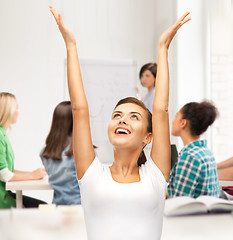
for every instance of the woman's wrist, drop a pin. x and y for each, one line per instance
(71, 46)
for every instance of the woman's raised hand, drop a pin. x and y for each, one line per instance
(67, 35)
(167, 36)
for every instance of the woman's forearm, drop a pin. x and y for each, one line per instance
(225, 164)
(161, 97)
(225, 174)
(23, 176)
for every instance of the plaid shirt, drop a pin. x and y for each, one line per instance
(194, 173)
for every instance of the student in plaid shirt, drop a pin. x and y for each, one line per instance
(195, 170)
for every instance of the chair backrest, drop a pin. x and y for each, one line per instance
(174, 154)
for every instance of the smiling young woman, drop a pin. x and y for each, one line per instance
(126, 200)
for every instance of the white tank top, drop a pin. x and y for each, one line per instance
(123, 211)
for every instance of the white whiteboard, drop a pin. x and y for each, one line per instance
(105, 83)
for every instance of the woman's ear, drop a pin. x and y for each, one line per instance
(148, 138)
(184, 123)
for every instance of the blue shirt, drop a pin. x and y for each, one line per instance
(62, 178)
(194, 173)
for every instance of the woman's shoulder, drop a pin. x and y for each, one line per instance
(97, 168)
(196, 155)
(150, 169)
(2, 133)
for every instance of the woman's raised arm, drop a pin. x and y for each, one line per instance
(161, 149)
(82, 142)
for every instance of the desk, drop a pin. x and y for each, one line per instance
(201, 227)
(19, 186)
(63, 222)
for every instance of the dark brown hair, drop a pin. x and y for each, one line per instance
(152, 67)
(60, 135)
(199, 115)
(142, 157)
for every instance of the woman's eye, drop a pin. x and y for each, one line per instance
(116, 115)
(134, 117)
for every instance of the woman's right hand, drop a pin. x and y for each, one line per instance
(67, 35)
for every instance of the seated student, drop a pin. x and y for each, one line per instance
(225, 170)
(58, 159)
(195, 171)
(8, 116)
(147, 77)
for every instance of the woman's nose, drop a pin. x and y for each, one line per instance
(123, 120)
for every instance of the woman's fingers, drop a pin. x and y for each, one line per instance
(54, 12)
(183, 16)
(182, 20)
(60, 20)
(56, 15)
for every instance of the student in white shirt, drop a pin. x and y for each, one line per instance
(126, 200)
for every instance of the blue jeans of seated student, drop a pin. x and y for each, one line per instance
(28, 202)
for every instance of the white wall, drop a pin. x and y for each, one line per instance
(31, 67)
(222, 76)
(192, 58)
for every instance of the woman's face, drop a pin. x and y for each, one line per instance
(148, 79)
(15, 114)
(128, 127)
(177, 124)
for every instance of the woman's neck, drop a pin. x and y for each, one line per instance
(125, 162)
(150, 89)
(187, 139)
(6, 126)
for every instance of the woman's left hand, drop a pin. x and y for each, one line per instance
(39, 173)
(167, 36)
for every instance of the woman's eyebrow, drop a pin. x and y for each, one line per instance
(136, 113)
(116, 112)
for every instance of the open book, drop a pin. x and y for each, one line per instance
(204, 204)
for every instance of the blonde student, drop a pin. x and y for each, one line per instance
(8, 116)
(125, 200)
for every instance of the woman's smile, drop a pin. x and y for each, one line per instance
(122, 131)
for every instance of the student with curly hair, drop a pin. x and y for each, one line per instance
(195, 170)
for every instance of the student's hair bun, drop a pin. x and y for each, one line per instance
(200, 116)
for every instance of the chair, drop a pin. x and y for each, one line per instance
(174, 154)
